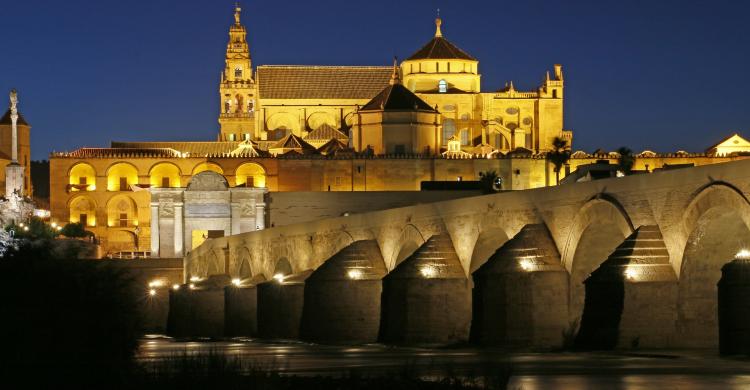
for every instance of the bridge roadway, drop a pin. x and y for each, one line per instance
(627, 262)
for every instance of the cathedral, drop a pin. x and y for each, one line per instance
(437, 90)
(325, 128)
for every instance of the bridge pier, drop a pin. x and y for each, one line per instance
(342, 296)
(241, 308)
(520, 293)
(198, 311)
(631, 299)
(280, 304)
(427, 298)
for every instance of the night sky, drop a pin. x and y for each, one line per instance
(662, 75)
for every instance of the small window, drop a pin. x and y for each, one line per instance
(231, 137)
(459, 178)
(554, 94)
(442, 86)
(84, 219)
(338, 180)
(449, 67)
(249, 181)
(237, 72)
(437, 67)
(123, 184)
(165, 182)
(82, 180)
(123, 220)
(245, 136)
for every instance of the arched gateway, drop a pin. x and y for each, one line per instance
(182, 218)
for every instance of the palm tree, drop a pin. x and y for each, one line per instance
(489, 181)
(559, 155)
(626, 160)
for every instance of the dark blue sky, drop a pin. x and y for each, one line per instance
(664, 75)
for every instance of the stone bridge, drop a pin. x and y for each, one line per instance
(623, 262)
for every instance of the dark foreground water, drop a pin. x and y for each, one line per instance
(530, 371)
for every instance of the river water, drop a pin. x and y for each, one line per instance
(530, 371)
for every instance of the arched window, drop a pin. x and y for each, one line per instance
(238, 72)
(449, 128)
(250, 175)
(554, 94)
(442, 86)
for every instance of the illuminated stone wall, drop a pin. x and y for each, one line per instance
(702, 213)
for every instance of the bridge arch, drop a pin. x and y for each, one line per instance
(408, 242)
(487, 243)
(282, 267)
(600, 226)
(214, 266)
(244, 268)
(716, 224)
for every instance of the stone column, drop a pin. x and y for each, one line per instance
(236, 216)
(155, 229)
(260, 219)
(178, 234)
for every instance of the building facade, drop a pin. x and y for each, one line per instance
(324, 128)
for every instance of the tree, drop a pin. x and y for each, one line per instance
(626, 160)
(559, 155)
(490, 182)
(75, 230)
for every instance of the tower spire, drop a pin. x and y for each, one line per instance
(438, 22)
(237, 10)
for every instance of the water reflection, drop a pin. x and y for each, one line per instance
(630, 382)
(609, 370)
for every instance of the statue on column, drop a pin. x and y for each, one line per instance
(14, 206)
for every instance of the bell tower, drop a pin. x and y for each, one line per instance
(237, 88)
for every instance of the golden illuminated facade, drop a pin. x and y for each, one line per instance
(337, 128)
(317, 103)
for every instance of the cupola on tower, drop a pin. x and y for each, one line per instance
(441, 67)
(237, 87)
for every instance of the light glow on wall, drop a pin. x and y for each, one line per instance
(156, 283)
(354, 274)
(630, 273)
(743, 254)
(175, 287)
(279, 277)
(526, 264)
(152, 292)
(236, 282)
(428, 271)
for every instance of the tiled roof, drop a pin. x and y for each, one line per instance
(122, 152)
(439, 48)
(292, 141)
(193, 149)
(397, 97)
(333, 146)
(325, 132)
(5, 120)
(321, 82)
